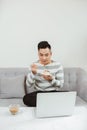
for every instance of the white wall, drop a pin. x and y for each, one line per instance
(24, 23)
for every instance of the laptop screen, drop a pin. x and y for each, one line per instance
(51, 104)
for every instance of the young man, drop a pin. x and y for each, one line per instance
(45, 74)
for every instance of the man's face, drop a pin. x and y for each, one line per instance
(44, 56)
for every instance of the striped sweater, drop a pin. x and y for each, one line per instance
(55, 68)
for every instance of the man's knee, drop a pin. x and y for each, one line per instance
(30, 100)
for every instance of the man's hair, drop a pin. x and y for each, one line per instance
(43, 45)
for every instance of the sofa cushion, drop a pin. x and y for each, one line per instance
(7, 102)
(11, 87)
(80, 102)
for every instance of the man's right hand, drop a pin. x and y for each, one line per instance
(34, 68)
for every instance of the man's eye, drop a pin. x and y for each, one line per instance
(46, 55)
(41, 55)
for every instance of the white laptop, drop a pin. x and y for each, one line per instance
(51, 104)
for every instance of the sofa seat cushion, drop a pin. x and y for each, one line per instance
(12, 87)
(80, 102)
(7, 102)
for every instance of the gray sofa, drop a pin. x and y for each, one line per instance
(13, 87)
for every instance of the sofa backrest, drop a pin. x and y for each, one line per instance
(72, 76)
(12, 82)
(12, 72)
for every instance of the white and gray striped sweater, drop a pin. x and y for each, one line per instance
(55, 68)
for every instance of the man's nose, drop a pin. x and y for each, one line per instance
(44, 57)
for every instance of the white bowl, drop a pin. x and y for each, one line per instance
(46, 73)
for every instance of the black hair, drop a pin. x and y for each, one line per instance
(43, 45)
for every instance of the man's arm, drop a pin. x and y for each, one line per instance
(31, 76)
(58, 80)
(30, 79)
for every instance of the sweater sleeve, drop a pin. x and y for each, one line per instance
(58, 79)
(30, 80)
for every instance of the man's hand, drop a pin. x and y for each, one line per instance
(46, 75)
(34, 68)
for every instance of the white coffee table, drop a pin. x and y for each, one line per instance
(26, 120)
